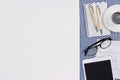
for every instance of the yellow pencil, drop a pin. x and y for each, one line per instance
(99, 18)
(93, 16)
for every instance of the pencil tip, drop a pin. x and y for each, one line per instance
(96, 29)
(101, 32)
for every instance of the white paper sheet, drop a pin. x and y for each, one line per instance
(114, 51)
(90, 29)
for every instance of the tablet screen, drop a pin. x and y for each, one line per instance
(99, 70)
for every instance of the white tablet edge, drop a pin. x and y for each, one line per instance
(97, 59)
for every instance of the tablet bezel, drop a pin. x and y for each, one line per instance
(98, 59)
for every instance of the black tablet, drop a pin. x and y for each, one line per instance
(98, 69)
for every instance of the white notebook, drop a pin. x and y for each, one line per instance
(114, 51)
(90, 29)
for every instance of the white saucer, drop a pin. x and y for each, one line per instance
(107, 18)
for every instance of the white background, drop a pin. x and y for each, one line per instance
(39, 40)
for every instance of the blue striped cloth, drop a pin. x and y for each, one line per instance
(84, 40)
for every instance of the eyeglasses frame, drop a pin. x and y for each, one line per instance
(94, 45)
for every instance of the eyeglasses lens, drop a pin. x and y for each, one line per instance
(105, 44)
(92, 51)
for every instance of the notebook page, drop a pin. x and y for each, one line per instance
(114, 52)
(90, 29)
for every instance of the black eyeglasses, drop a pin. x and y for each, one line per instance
(92, 49)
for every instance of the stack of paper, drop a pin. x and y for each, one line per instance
(114, 52)
(90, 28)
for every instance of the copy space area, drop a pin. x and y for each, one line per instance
(39, 40)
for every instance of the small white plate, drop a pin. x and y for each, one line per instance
(107, 18)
